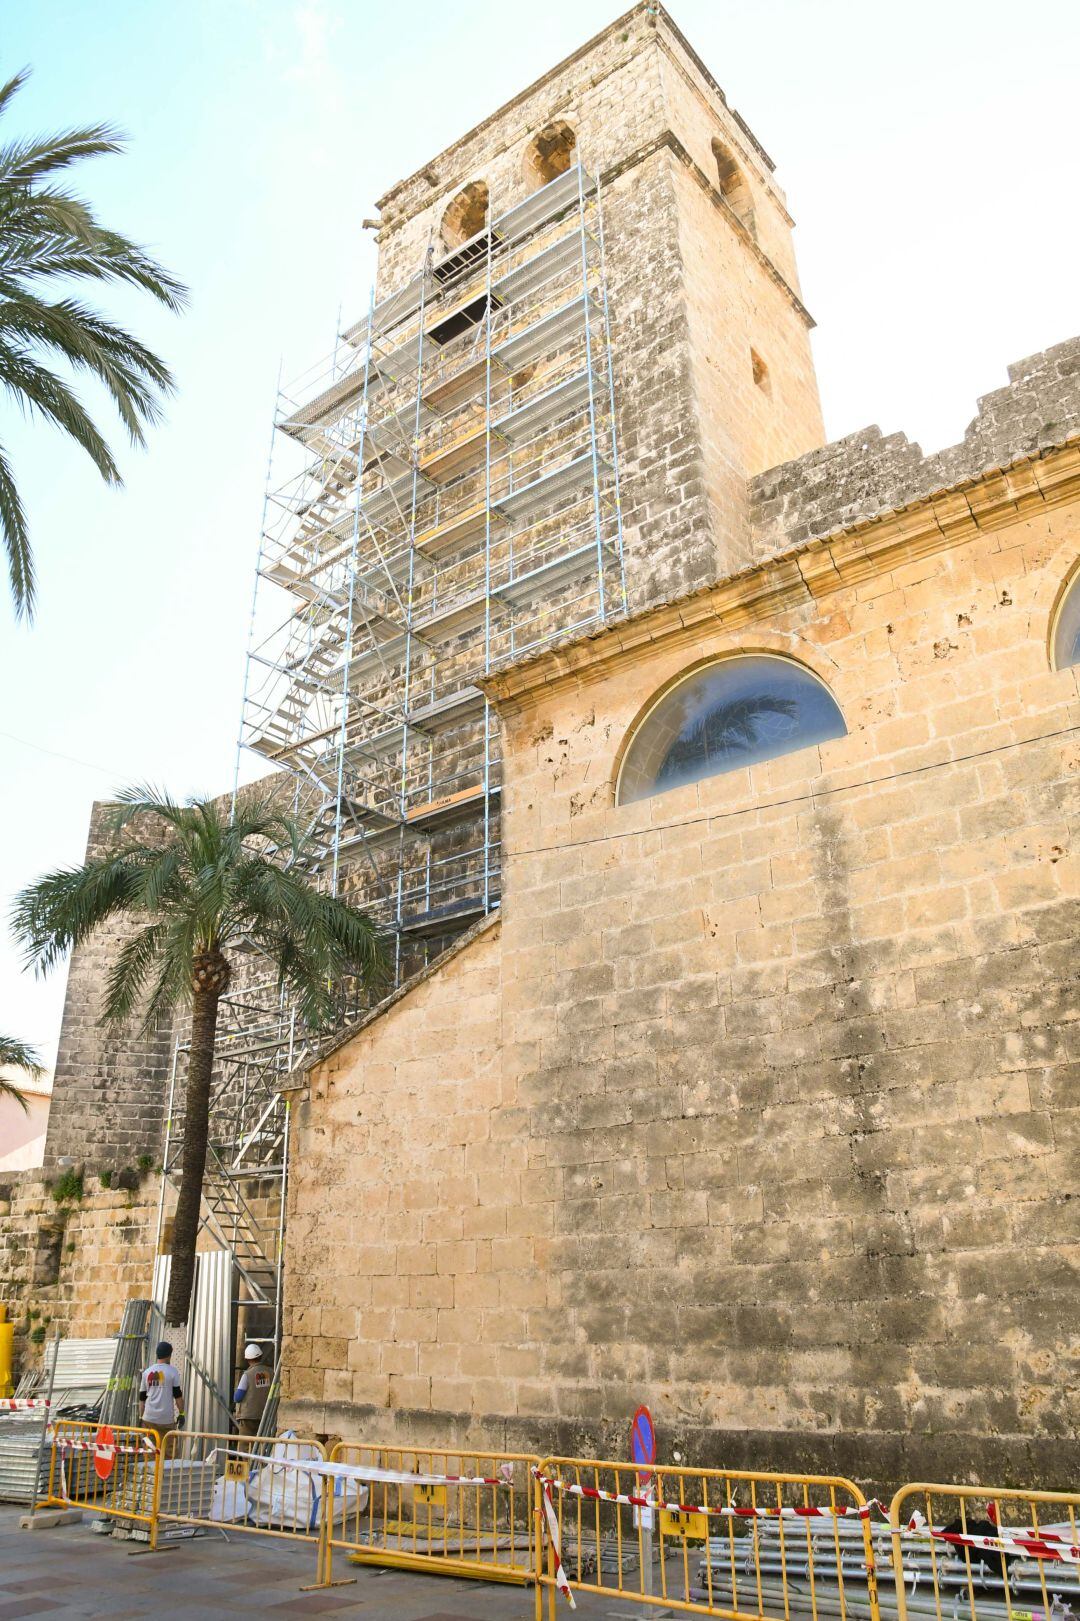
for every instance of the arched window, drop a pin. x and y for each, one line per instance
(733, 713)
(466, 214)
(734, 188)
(1066, 643)
(549, 154)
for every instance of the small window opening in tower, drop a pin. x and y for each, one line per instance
(734, 188)
(761, 372)
(466, 214)
(549, 154)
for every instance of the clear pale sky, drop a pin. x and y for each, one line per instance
(928, 153)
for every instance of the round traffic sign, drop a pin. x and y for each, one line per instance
(643, 1441)
(104, 1452)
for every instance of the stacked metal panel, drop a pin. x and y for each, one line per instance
(20, 1444)
(83, 1371)
(119, 1405)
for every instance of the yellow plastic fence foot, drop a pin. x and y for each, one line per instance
(337, 1581)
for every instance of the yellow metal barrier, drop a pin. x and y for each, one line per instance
(258, 1485)
(453, 1513)
(984, 1553)
(766, 1547)
(116, 1477)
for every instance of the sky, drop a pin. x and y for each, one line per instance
(928, 156)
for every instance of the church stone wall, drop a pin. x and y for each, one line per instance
(759, 1103)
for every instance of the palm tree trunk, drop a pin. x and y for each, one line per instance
(207, 994)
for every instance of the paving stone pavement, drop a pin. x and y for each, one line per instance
(70, 1572)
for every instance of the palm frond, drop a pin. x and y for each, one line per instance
(130, 971)
(13, 86)
(18, 1055)
(47, 232)
(64, 907)
(34, 385)
(8, 1089)
(24, 162)
(16, 541)
(133, 376)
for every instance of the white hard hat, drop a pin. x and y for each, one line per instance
(252, 1351)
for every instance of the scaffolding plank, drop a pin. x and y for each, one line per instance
(551, 200)
(446, 461)
(463, 524)
(388, 311)
(571, 475)
(547, 333)
(544, 409)
(549, 262)
(522, 586)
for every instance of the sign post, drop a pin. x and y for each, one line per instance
(643, 1451)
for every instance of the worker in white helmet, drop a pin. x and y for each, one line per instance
(250, 1395)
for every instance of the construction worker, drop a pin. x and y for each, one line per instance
(161, 1401)
(250, 1395)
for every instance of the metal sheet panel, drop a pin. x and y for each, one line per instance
(208, 1374)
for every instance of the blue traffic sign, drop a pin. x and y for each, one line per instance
(643, 1437)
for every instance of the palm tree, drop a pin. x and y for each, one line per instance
(17, 1055)
(49, 235)
(200, 883)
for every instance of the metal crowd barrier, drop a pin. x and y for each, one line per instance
(117, 1479)
(746, 1546)
(764, 1547)
(984, 1553)
(255, 1485)
(455, 1513)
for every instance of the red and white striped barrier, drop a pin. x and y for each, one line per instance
(20, 1404)
(594, 1494)
(103, 1449)
(367, 1473)
(552, 1521)
(1018, 1543)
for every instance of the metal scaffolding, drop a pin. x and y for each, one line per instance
(451, 501)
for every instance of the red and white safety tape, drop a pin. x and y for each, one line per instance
(19, 1404)
(1044, 1545)
(104, 1449)
(594, 1494)
(368, 1473)
(552, 1520)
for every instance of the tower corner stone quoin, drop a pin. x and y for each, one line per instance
(754, 1098)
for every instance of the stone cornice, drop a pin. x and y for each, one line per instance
(809, 572)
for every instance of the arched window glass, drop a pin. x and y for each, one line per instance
(1066, 649)
(730, 714)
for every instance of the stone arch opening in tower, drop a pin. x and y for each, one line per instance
(734, 187)
(549, 154)
(466, 214)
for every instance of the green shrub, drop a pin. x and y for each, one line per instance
(106, 1179)
(69, 1185)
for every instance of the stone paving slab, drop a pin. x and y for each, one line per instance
(72, 1574)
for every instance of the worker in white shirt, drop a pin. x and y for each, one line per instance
(250, 1395)
(161, 1400)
